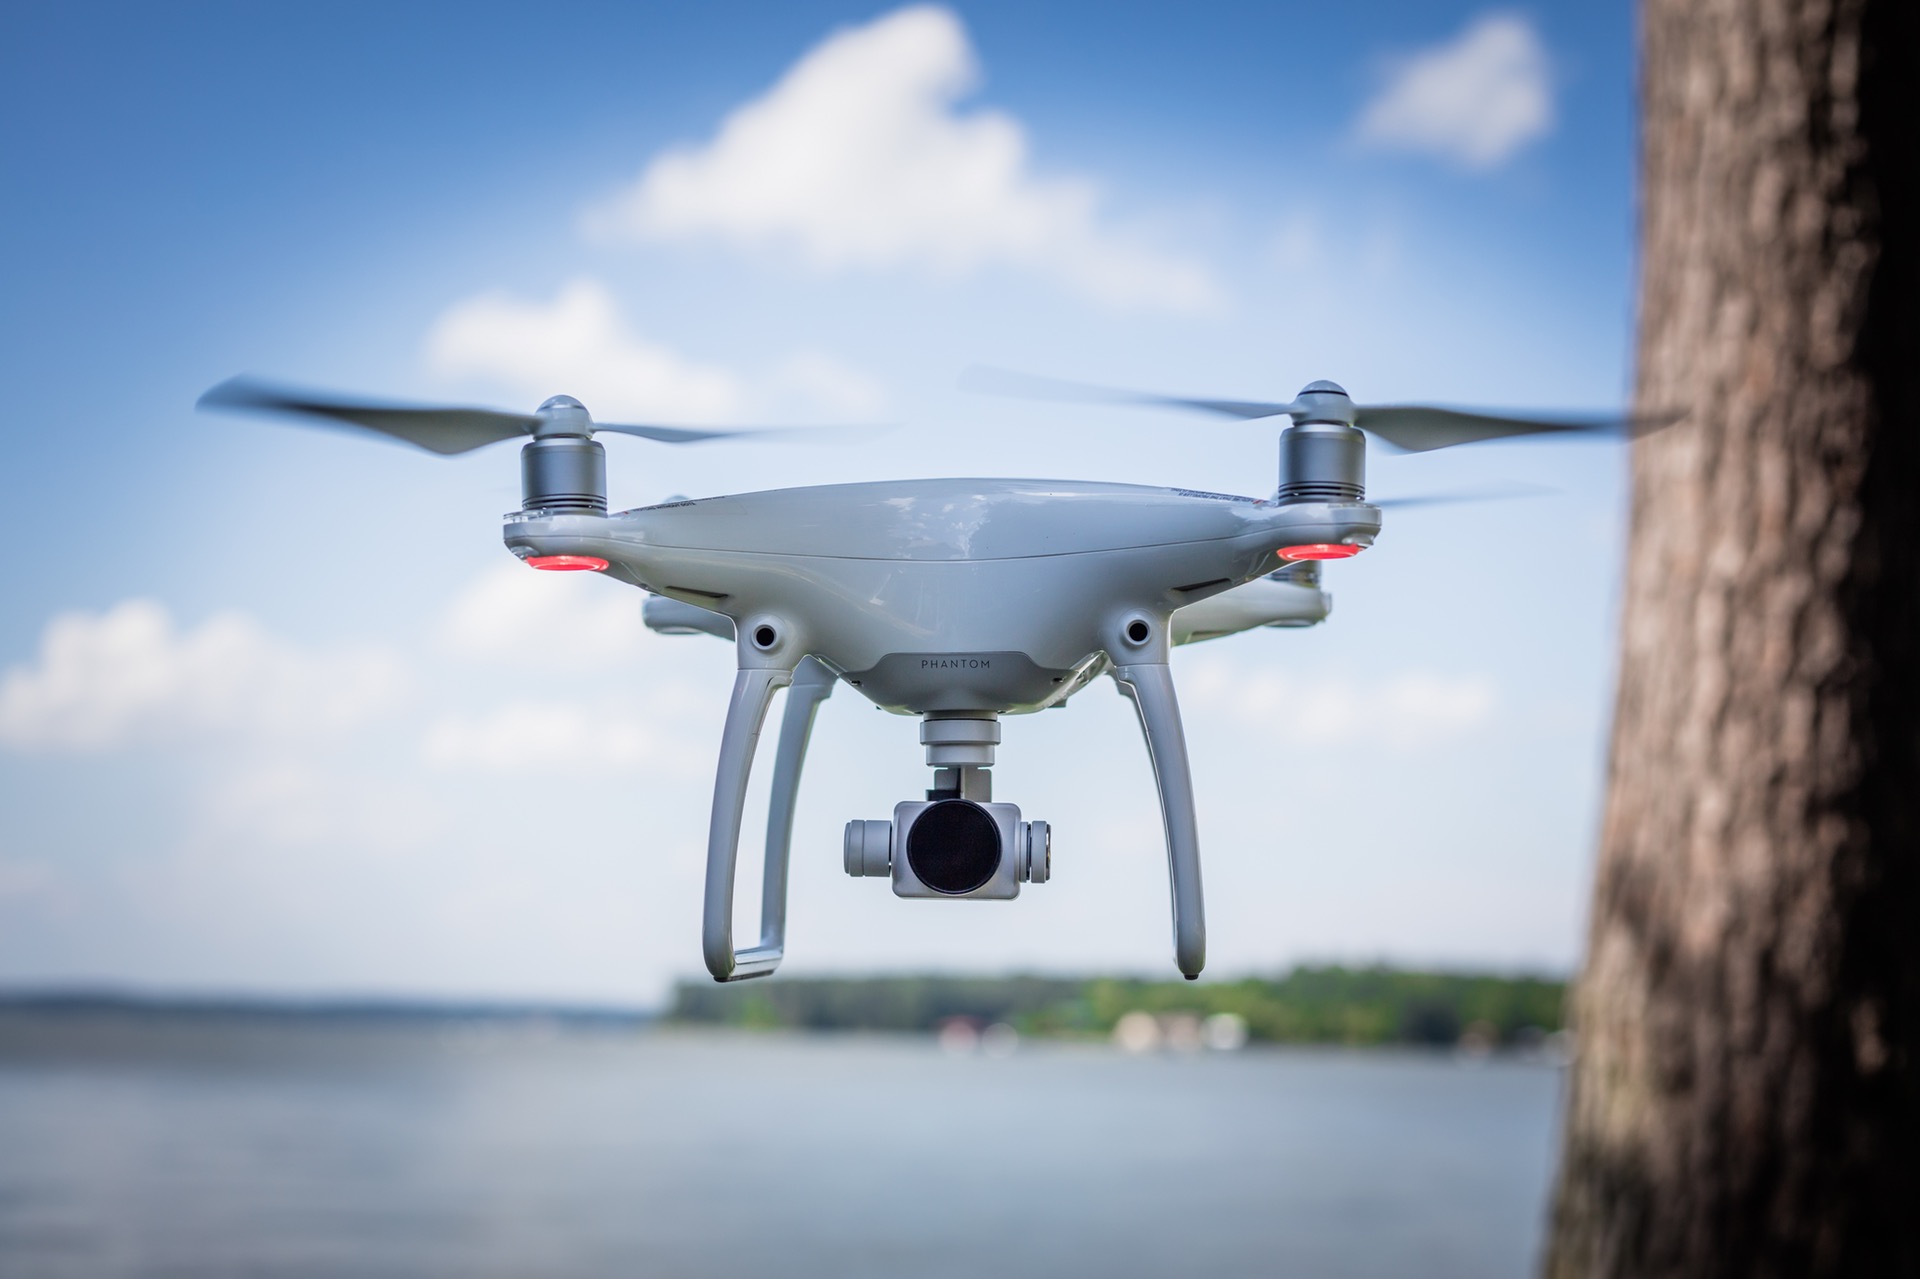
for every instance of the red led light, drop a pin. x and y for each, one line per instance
(566, 563)
(1319, 551)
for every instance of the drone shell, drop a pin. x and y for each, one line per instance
(999, 595)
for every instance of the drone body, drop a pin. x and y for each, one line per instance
(1001, 596)
(955, 600)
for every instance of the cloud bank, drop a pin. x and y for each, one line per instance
(1410, 710)
(131, 675)
(578, 345)
(1474, 101)
(528, 736)
(515, 616)
(860, 157)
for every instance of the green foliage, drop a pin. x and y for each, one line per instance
(869, 1003)
(1323, 1005)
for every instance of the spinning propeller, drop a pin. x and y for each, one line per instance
(449, 430)
(562, 468)
(1323, 453)
(1410, 428)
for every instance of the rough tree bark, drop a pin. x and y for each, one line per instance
(1746, 1096)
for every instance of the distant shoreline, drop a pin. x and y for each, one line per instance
(108, 1001)
(1324, 1004)
(1328, 1004)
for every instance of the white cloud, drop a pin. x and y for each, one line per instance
(550, 736)
(1312, 247)
(1474, 100)
(288, 804)
(836, 387)
(516, 614)
(20, 879)
(1408, 710)
(1299, 243)
(578, 345)
(858, 157)
(656, 708)
(130, 675)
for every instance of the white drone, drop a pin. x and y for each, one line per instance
(956, 600)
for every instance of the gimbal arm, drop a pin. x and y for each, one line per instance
(1149, 686)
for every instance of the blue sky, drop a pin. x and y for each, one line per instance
(254, 680)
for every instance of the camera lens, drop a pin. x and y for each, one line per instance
(954, 846)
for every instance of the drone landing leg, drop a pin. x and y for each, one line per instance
(1150, 688)
(753, 691)
(812, 684)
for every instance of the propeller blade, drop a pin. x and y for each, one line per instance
(450, 430)
(772, 434)
(1418, 428)
(1410, 428)
(671, 434)
(985, 380)
(1500, 494)
(446, 431)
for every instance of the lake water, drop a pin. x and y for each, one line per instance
(198, 1148)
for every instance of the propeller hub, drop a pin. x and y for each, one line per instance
(562, 415)
(1323, 402)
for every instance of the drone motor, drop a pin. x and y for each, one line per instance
(563, 468)
(1323, 458)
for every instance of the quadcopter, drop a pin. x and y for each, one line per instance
(959, 601)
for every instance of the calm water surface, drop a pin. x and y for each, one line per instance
(207, 1149)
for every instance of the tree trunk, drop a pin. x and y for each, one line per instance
(1746, 1096)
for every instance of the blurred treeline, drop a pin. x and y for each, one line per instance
(1310, 1005)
